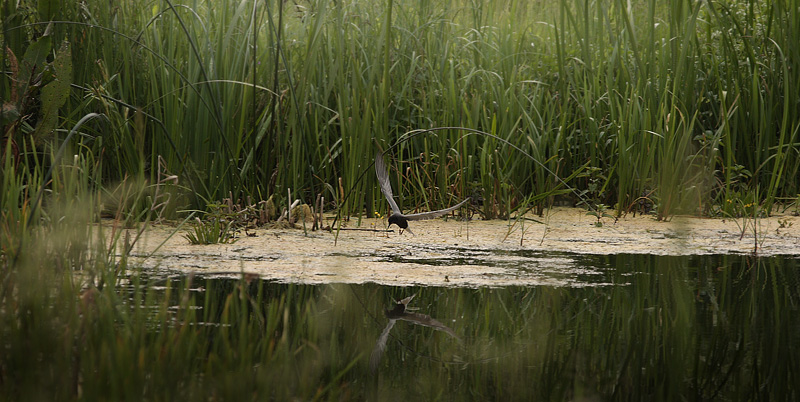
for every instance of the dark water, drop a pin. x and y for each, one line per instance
(721, 327)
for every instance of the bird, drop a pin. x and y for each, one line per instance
(397, 217)
(399, 313)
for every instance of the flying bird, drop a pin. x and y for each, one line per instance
(397, 217)
(399, 313)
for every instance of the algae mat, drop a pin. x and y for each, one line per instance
(536, 251)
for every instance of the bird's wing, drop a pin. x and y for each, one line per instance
(380, 346)
(426, 320)
(434, 214)
(383, 179)
(406, 300)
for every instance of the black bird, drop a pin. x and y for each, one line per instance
(397, 216)
(399, 313)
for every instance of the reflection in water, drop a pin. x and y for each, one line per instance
(663, 328)
(399, 313)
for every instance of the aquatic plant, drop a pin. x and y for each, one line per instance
(213, 231)
(247, 99)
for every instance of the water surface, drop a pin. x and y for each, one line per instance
(719, 327)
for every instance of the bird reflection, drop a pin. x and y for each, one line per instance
(399, 313)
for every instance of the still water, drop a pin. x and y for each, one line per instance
(631, 327)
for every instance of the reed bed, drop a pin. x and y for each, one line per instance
(689, 104)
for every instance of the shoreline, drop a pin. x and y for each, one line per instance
(459, 253)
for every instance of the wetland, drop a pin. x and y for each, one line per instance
(672, 128)
(634, 309)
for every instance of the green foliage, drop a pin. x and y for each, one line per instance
(249, 99)
(56, 92)
(600, 211)
(37, 89)
(215, 229)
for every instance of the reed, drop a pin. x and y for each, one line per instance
(250, 98)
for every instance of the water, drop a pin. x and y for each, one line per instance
(724, 327)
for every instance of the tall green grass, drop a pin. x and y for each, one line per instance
(250, 98)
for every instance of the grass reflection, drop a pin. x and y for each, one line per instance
(693, 328)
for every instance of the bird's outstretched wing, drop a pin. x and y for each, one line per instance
(383, 179)
(434, 214)
(426, 320)
(380, 347)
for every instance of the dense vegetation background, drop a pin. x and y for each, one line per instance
(145, 109)
(690, 104)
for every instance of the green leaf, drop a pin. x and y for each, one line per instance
(55, 93)
(33, 62)
(48, 9)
